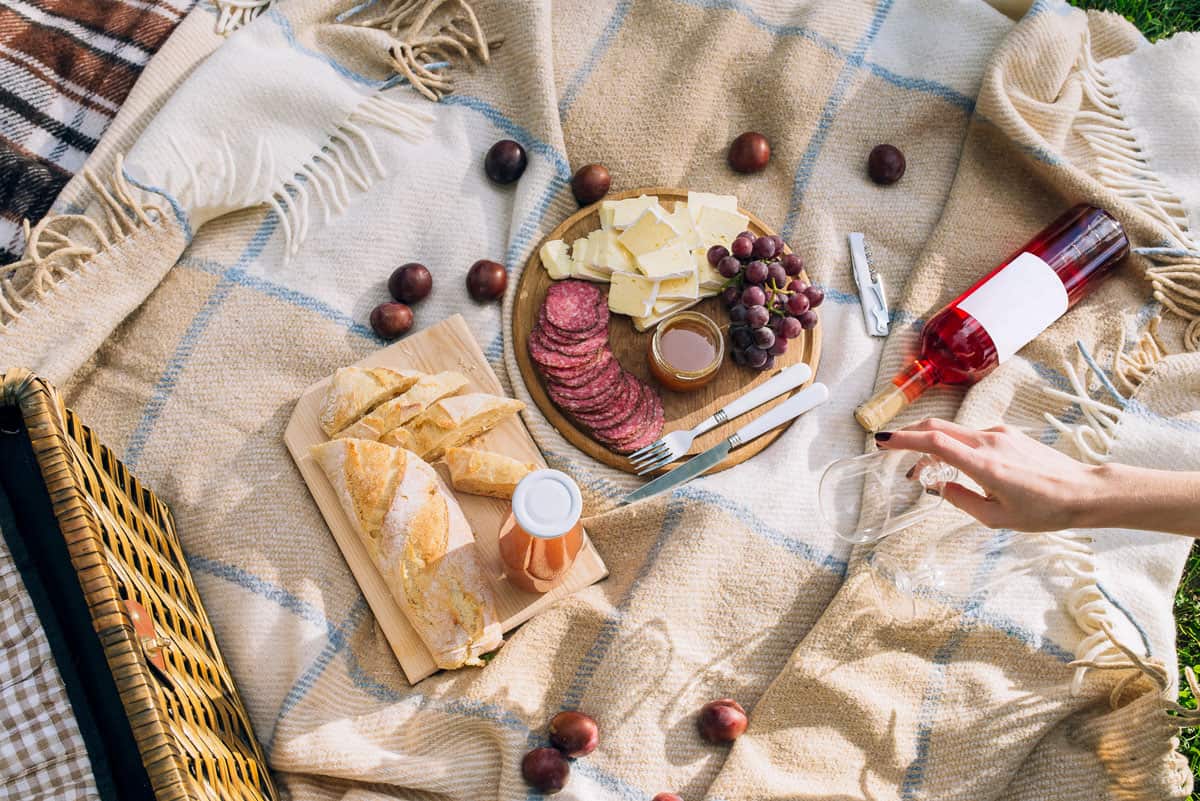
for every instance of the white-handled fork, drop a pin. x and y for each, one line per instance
(675, 445)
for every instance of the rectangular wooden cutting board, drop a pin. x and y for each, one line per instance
(448, 345)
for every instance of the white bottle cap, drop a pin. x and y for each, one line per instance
(547, 503)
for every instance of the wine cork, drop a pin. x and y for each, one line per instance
(875, 413)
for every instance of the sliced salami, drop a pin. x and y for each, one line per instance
(616, 409)
(555, 359)
(556, 334)
(605, 382)
(579, 376)
(586, 347)
(622, 430)
(574, 305)
(610, 394)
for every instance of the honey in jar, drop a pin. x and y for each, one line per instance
(686, 351)
(543, 535)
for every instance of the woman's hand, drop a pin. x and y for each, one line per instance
(1028, 486)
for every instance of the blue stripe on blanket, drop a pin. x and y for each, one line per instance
(808, 161)
(915, 775)
(599, 48)
(187, 344)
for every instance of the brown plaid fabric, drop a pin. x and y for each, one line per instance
(65, 68)
(42, 753)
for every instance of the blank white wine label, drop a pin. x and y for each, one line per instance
(1017, 303)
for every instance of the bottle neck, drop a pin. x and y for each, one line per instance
(906, 387)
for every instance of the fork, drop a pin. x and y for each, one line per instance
(676, 444)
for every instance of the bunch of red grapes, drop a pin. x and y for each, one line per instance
(768, 302)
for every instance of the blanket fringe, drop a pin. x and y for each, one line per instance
(457, 36)
(233, 14)
(348, 158)
(1123, 167)
(1135, 764)
(59, 245)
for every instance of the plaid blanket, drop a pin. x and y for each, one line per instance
(1036, 667)
(65, 68)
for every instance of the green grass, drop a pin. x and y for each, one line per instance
(1158, 19)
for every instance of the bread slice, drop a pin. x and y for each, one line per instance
(421, 544)
(453, 421)
(357, 390)
(484, 472)
(401, 409)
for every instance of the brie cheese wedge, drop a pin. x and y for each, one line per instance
(631, 294)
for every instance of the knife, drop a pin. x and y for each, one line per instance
(791, 408)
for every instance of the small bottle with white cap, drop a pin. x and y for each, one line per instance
(542, 536)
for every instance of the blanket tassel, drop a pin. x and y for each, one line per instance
(59, 245)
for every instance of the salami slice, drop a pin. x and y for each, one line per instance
(556, 359)
(586, 347)
(577, 377)
(557, 334)
(610, 393)
(616, 408)
(623, 429)
(606, 381)
(574, 305)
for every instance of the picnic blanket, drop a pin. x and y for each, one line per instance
(65, 68)
(245, 208)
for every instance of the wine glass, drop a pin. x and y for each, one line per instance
(866, 498)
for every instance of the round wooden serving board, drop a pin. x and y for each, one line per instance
(683, 409)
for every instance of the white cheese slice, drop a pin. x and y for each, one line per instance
(605, 254)
(698, 200)
(661, 311)
(631, 294)
(651, 232)
(681, 220)
(620, 214)
(707, 274)
(556, 258)
(579, 263)
(672, 261)
(718, 226)
(684, 288)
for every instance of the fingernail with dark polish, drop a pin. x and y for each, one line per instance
(934, 491)
(910, 472)
(883, 436)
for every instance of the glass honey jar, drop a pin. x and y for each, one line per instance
(686, 351)
(542, 535)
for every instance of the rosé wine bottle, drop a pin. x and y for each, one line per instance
(1006, 309)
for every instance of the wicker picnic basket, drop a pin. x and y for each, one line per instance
(187, 727)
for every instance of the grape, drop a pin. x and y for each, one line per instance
(410, 283)
(730, 295)
(754, 296)
(798, 303)
(780, 347)
(756, 358)
(815, 295)
(764, 247)
(716, 253)
(545, 770)
(756, 271)
(737, 313)
(796, 286)
(486, 280)
(764, 338)
(776, 274)
(741, 336)
(750, 152)
(757, 316)
(390, 320)
(808, 319)
(885, 164)
(791, 328)
(574, 734)
(792, 264)
(590, 184)
(748, 235)
(505, 161)
(729, 266)
(779, 245)
(739, 357)
(742, 246)
(769, 363)
(776, 324)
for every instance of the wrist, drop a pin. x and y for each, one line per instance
(1099, 499)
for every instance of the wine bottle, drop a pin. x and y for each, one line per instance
(1006, 309)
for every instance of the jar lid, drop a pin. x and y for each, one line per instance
(547, 503)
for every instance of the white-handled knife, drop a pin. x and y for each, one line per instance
(793, 407)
